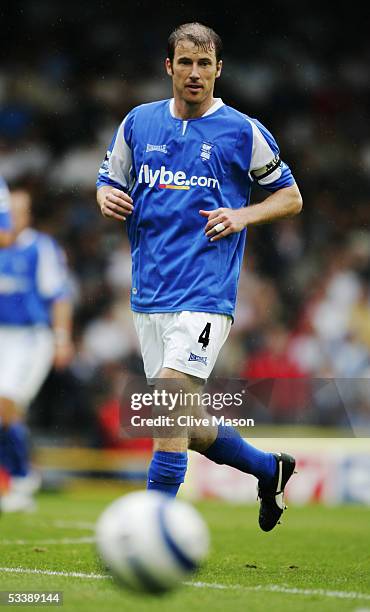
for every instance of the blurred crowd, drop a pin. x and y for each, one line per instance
(304, 297)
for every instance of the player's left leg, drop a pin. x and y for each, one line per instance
(224, 445)
(192, 347)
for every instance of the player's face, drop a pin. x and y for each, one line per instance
(193, 72)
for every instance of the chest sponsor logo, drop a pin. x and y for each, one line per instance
(167, 179)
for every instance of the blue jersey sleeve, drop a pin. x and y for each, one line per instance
(52, 272)
(266, 167)
(116, 169)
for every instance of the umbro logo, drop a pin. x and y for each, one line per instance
(159, 148)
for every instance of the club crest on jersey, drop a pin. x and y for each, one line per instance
(158, 148)
(193, 357)
(206, 151)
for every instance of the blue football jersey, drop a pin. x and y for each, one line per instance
(172, 168)
(33, 275)
(5, 219)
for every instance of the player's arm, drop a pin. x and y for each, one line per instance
(267, 169)
(284, 203)
(53, 286)
(115, 177)
(61, 324)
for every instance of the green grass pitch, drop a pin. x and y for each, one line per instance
(318, 559)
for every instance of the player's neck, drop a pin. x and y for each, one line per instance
(184, 110)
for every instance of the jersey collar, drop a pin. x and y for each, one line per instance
(215, 106)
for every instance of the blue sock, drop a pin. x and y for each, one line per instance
(229, 448)
(14, 454)
(167, 471)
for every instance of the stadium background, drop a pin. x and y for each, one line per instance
(69, 75)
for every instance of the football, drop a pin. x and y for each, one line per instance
(150, 542)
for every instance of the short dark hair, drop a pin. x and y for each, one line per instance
(197, 33)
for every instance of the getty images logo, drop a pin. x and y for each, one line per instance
(166, 179)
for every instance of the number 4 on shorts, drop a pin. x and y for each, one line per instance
(204, 336)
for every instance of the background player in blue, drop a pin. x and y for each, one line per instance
(35, 332)
(179, 172)
(6, 234)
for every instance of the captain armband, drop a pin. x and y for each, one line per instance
(265, 171)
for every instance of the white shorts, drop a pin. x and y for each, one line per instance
(185, 341)
(26, 356)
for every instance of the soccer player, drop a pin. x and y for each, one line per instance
(179, 172)
(6, 234)
(35, 332)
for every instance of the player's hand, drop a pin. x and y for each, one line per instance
(233, 221)
(114, 203)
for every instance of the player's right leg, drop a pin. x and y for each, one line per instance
(170, 444)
